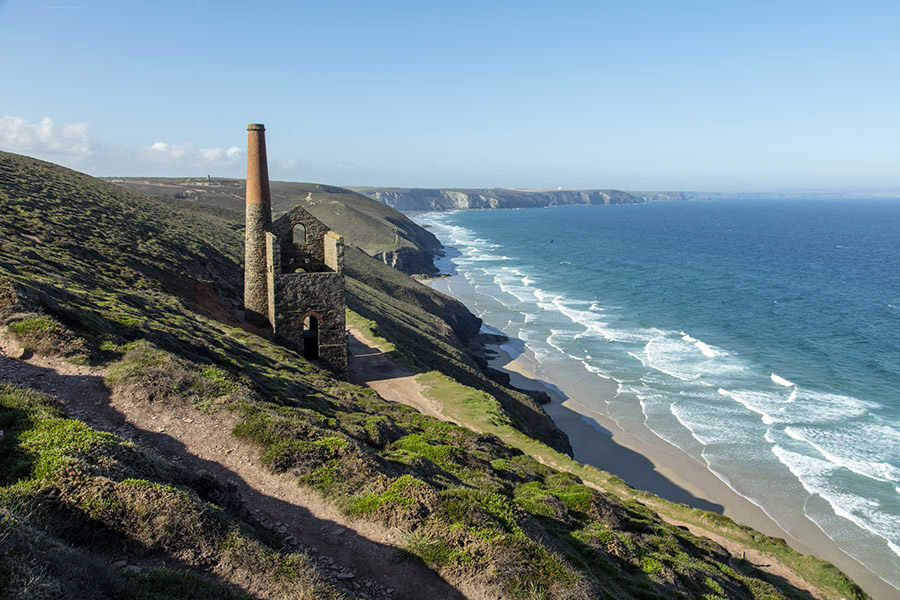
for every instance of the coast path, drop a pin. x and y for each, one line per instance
(371, 366)
(202, 441)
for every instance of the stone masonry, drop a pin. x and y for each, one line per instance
(294, 271)
(258, 218)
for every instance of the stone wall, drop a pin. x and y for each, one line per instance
(298, 295)
(309, 256)
(334, 252)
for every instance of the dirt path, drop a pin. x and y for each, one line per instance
(358, 554)
(201, 441)
(371, 367)
(759, 560)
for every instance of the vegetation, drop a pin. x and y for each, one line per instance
(369, 225)
(147, 288)
(67, 491)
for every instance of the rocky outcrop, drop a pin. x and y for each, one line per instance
(452, 199)
(411, 261)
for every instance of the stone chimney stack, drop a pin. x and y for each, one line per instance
(258, 222)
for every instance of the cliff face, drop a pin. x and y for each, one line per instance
(452, 199)
(411, 261)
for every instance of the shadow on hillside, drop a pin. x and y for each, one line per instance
(87, 398)
(371, 364)
(748, 568)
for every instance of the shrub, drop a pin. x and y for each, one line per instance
(43, 334)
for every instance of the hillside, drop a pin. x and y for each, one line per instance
(415, 199)
(379, 232)
(153, 448)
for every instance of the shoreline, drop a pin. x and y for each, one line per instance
(664, 470)
(613, 435)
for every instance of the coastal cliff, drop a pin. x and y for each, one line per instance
(421, 199)
(154, 448)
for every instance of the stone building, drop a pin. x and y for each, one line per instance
(293, 270)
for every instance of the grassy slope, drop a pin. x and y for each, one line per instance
(401, 309)
(369, 225)
(72, 498)
(416, 314)
(110, 287)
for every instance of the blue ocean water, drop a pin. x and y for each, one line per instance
(760, 337)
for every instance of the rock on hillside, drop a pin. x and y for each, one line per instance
(416, 199)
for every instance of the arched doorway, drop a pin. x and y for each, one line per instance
(298, 233)
(310, 337)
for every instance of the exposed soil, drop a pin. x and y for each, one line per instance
(372, 368)
(360, 555)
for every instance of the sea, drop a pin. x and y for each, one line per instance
(759, 337)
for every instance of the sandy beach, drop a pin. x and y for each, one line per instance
(647, 462)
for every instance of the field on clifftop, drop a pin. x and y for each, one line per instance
(154, 448)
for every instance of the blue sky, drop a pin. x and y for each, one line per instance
(632, 95)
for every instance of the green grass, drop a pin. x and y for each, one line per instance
(68, 491)
(483, 413)
(146, 285)
(369, 329)
(365, 223)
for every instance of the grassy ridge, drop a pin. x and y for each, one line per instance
(145, 287)
(369, 225)
(480, 411)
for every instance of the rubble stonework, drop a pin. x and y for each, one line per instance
(294, 271)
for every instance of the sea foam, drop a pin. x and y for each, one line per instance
(815, 475)
(781, 380)
(846, 448)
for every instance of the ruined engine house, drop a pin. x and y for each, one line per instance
(293, 270)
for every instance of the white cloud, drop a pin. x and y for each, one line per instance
(186, 154)
(165, 152)
(44, 138)
(219, 155)
(72, 145)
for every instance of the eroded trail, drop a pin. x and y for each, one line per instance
(372, 368)
(361, 555)
(358, 554)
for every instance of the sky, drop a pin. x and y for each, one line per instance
(640, 95)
